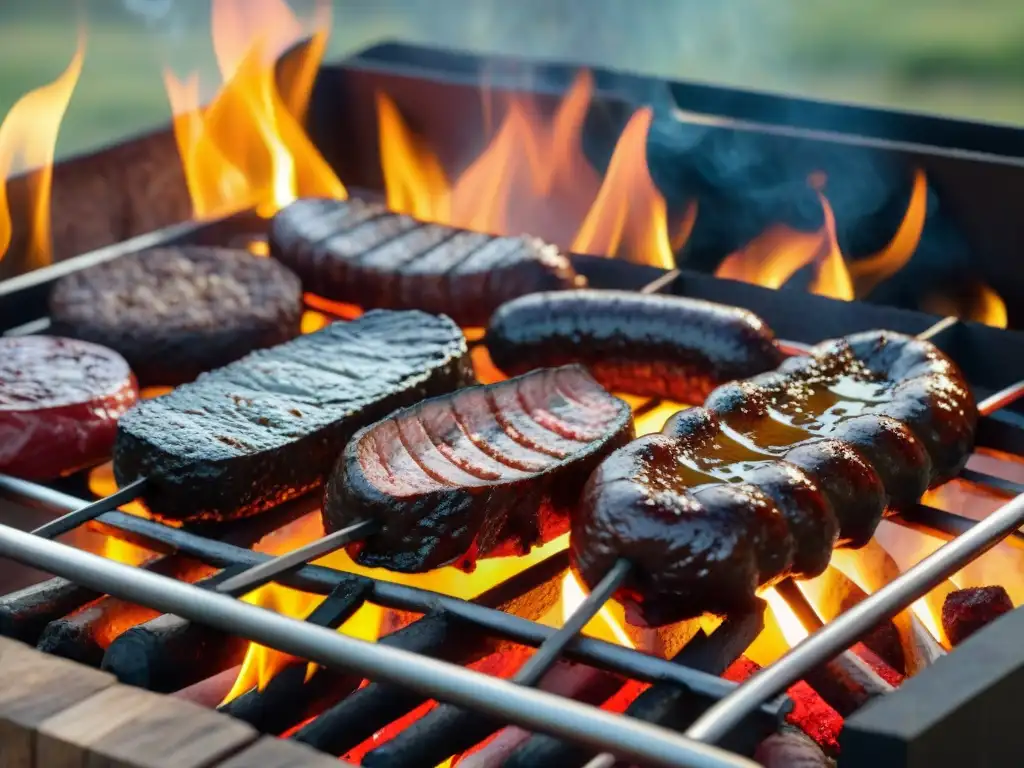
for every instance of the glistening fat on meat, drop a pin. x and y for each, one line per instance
(268, 427)
(486, 471)
(361, 253)
(772, 473)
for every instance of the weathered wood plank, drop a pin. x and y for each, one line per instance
(33, 688)
(63, 741)
(170, 733)
(270, 752)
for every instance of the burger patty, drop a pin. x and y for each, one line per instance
(176, 312)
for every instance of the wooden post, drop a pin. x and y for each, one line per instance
(270, 752)
(33, 688)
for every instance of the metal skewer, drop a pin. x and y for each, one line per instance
(72, 520)
(547, 713)
(259, 575)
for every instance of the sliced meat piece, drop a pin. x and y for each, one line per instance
(179, 311)
(483, 472)
(268, 427)
(360, 253)
(60, 400)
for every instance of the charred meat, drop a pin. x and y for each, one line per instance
(659, 346)
(483, 472)
(60, 400)
(772, 473)
(362, 254)
(268, 427)
(176, 312)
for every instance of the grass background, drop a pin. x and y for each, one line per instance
(942, 56)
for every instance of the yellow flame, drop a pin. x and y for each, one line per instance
(28, 140)
(247, 148)
(604, 626)
(792, 629)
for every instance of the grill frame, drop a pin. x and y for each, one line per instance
(757, 713)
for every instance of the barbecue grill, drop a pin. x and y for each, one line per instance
(955, 711)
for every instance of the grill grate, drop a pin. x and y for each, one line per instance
(735, 717)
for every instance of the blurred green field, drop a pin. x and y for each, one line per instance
(942, 56)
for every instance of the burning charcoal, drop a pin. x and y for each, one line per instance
(968, 610)
(24, 614)
(791, 749)
(83, 635)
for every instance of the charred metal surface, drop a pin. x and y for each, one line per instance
(101, 198)
(962, 710)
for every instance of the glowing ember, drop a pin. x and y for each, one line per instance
(28, 138)
(246, 148)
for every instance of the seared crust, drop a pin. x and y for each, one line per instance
(654, 345)
(818, 444)
(483, 472)
(176, 312)
(268, 427)
(363, 254)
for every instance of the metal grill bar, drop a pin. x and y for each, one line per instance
(322, 580)
(841, 633)
(532, 709)
(72, 520)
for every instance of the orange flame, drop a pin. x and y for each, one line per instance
(789, 623)
(629, 213)
(534, 177)
(773, 257)
(28, 140)
(868, 273)
(973, 301)
(247, 148)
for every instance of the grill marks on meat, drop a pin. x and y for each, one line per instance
(484, 472)
(772, 473)
(176, 312)
(268, 427)
(60, 400)
(360, 253)
(659, 346)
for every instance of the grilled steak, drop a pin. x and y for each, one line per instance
(268, 427)
(176, 312)
(360, 253)
(484, 472)
(771, 473)
(60, 400)
(660, 346)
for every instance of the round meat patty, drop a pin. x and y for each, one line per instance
(177, 312)
(60, 400)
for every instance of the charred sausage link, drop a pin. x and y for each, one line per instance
(772, 473)
(660, 346)
(361, 253)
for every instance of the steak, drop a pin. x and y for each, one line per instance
(268, 427)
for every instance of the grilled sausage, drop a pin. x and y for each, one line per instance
(268, 427)
(176, 312)
(483, 472)
(360, 253)
(660, 346)
(771, 473)
(60, 400)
